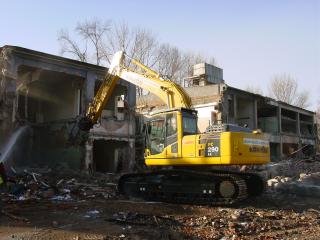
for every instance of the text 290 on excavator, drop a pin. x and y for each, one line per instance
(173, 141)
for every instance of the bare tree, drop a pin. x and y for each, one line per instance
(142, 45)
(138, 43)
(145, 47)
(93, 34)
(302, 99)
(120, 38)
(100, 40)
(69, 46)
(285, 88)
(170, 62)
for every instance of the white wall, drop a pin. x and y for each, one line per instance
(204, 115)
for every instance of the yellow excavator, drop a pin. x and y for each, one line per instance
(184, 157)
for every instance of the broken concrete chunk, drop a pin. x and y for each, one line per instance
(271, 182)
(301, 177)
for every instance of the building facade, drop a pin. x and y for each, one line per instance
(41, 96)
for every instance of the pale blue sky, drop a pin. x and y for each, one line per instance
(251, 40)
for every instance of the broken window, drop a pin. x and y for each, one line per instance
(245, 111)
(268, 119)
(288, 121)
(306, 125)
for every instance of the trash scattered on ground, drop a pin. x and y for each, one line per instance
(223, 223)
(42, 183)
(92, 214)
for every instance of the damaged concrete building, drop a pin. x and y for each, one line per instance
(289, 128)
(41, 96)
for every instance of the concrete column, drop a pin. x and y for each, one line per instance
(255, 114)
(279, 120)
(298, 133)
(298, 124)
(281, 148)
(280, 130)
(235, 106)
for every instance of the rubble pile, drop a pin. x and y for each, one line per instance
(224, 223)
(293, 167)
(44, 183)
(301, 177)
(241, 224)
(45, 203)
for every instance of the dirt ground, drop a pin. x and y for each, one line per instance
(267, 217)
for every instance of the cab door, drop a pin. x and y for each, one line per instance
(155, 138)
(172, 146)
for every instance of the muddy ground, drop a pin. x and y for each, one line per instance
(271, 216)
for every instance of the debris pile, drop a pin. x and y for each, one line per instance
(37, 184)
(224, 223)
(293, 167)
(248, 222)
(301, 177)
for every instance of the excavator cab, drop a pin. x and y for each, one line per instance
(165, 131)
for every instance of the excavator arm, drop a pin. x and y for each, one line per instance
(168, 91)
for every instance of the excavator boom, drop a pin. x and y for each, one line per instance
(168, 91)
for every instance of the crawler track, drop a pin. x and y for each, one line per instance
(184, 186)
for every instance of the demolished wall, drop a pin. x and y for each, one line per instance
(6, 96)
(47, 93)
(17, 147)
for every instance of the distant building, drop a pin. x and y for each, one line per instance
(290, 128)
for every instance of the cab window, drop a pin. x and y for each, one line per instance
(172, 128)
(156, 136)
(189, 123)
(171, 124)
